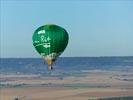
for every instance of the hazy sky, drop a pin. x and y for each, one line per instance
(96, 28)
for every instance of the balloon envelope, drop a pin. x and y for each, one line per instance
(50, 41)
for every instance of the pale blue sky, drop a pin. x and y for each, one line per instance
(96, 28)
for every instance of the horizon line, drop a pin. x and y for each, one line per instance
(69, 57)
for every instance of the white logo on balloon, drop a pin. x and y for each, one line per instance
(43, 39)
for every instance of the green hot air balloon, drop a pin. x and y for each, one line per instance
(50, 41)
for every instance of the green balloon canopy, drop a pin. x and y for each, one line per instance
(50, 41)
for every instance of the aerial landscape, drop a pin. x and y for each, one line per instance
(66, 50)
(85, 78)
